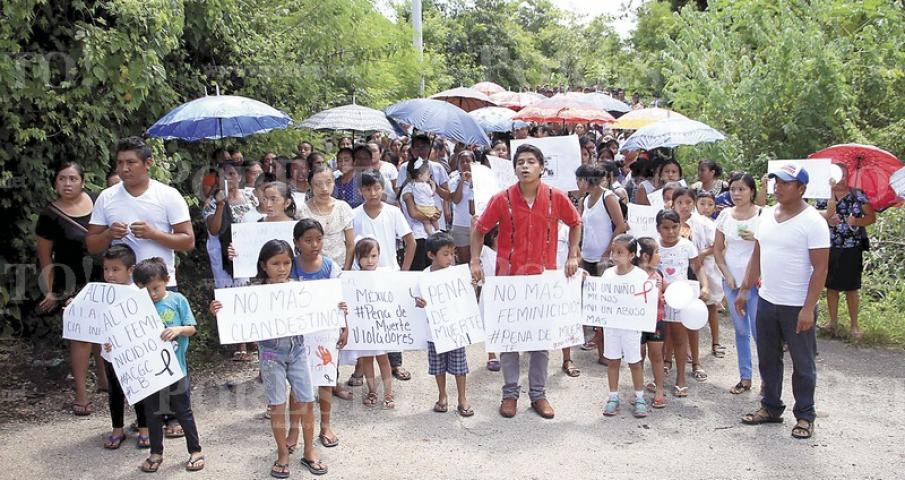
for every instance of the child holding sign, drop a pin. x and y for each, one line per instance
(119, 261)
(284, 360)
(649, 261)
(311, 264)
(441, 250)
(177, 317)
(620, 343)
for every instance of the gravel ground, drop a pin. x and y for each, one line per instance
(858, 432)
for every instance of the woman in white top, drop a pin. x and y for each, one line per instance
(334, 215)
(733, 246)
(461, 193)
(601, 216)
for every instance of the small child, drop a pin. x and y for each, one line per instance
(441, 250)
(367, 259)
(176, 314)
(118, 263)
(423, 191)
(619, 343)
(649, 261)
(703, 235)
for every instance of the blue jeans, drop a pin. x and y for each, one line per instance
(745, 329)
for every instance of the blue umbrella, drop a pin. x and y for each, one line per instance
(494, 119)
(218, 116)
(671, 133)
(439, 117)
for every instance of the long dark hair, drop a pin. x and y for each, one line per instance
(73, 165)
(270, 249)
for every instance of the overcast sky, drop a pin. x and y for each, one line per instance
(622, 10)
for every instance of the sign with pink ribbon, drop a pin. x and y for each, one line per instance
(621, 301)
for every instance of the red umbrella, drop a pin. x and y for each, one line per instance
(868, 168)
(467, 99)
(564, 110)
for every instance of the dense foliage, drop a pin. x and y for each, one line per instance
(781, 79)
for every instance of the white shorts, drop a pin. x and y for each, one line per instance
(622, 344)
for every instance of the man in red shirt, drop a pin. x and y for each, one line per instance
(527, 213)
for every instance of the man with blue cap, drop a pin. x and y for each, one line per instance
(790, 260)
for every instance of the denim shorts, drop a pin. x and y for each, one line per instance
(284, 360)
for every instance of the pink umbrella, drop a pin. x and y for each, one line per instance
(467, 99)
(564, 110)
(488, 88)
(516, 100)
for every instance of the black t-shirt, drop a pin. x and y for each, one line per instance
(69, 252)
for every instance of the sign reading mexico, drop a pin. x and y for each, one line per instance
(562, 156)
(248, 238)
(621, 301)
(452, 308)
(262, 312)
(144, 363)
(83, 319)
(532, 312)
(382, 311)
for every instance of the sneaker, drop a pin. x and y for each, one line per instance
(612, 406)
(640, 408)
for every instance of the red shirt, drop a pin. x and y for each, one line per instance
(526, 244)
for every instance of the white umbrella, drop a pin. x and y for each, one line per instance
(494, 119)
(517, 100)
(598, 100)
(349, 117)
(671, 133)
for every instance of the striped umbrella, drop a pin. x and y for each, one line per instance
(349, 117)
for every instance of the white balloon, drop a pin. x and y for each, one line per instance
(694, 316)
(836, 172)
(678, 295)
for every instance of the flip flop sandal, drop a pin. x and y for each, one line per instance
(493, 365)
(651, 387)
(314, 466)
(740, 388)
(279, 470)
(370, 399)
(570, 369)
(441, 407)
(82, 410)
(588, 346)
(760, 417)
(698, 373)
(114, 441)
(142, 442)
(192, 465)
(680, 392)
(151, 466)
(718, 351)
(355, 381)
(174, 431)
(465, 411)
(658, 404)
(388, 403)
(327, 442)
(803, 432)
(402, 374)
(666, 368)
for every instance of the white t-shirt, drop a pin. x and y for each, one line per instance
(598, 229)
(674, 260)
(785, 262)
(389, 226)
(423, 193)
(389, 174)
(461, 212)
(738, 250)
(160, 206)
(438, 174)
(415, 225)
(703, 234)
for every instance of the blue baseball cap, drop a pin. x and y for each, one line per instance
(791, 173)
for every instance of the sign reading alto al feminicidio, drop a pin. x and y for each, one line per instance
(262, 312)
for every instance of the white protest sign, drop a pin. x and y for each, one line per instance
(655, 199)
(485, 186)
(323, 357)
(562, 156)
(532, 312)
(642, 221)
(452, 308)
(262, 312)
(382, 311)
(83, 319)
(503, 170)
(144, 363)
(248, 238)
(819, 173)
(621, 301)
